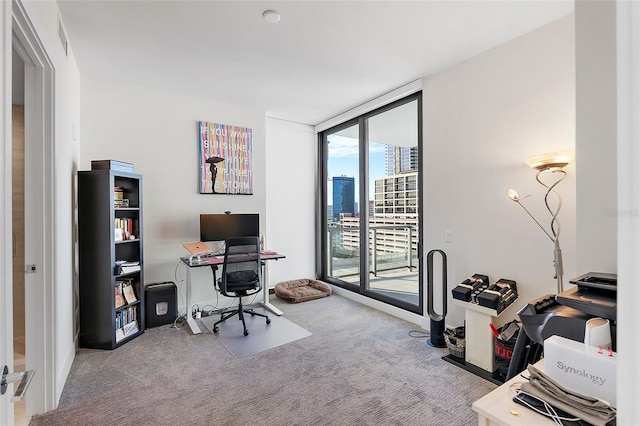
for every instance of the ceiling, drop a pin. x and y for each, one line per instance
(321, 59)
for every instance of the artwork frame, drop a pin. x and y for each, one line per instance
(225, 159)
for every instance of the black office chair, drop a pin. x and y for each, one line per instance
(241, 276)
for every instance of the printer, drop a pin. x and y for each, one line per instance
(565, 315)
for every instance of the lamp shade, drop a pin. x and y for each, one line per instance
(513, 194)
(550, 160)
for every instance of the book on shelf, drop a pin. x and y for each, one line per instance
(120, 301)
(130, 328)
(118, 204)
(129, 294)
(129, 269)
(119, 334)
(126, 316)
(118, 193)
(124, 229)
(125, 267)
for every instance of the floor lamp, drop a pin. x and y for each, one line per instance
(549, 167)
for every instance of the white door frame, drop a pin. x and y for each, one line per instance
(39, 207)
(6, 248)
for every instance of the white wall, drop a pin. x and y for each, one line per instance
(157, 132)
(291, 199)
(482, 118)
(596, 132)
(44, 18)
(628, 135)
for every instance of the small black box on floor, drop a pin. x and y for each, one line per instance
(161, 304)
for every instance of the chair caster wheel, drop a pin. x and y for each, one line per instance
(215, 329)
(268, 321)
(246, 332)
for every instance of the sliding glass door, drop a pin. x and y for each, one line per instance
(370, 231)
(343, 210)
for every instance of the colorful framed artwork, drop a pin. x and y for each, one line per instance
(225, 159)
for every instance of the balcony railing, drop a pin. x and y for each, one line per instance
(391, 247)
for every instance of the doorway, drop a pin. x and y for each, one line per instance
(19, 338)
(38, 337)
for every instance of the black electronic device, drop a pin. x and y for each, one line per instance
(541, 407)
(545, 317)
(161, 304)
(566, 315)
(220, 227)
(600, 280)
(595, 293)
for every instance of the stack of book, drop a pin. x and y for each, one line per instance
(125, 329)
(118, 198)
(126, 267)
(124, 229)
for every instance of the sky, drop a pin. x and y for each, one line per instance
(343, 160)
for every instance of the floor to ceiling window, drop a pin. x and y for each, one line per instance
(371, 198)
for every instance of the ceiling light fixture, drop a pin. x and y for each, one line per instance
(271, 16)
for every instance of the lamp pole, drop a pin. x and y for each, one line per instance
(555, 224)
(552, 163)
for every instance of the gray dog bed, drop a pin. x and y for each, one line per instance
(301, 290)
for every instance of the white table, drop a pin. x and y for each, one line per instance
(217, 261)
(498, 408)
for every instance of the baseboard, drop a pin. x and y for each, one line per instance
(460, 362)
(384, 307)
(62, 375)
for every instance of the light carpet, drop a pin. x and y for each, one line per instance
(358, 367)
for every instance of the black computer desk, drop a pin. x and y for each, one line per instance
(214, 262)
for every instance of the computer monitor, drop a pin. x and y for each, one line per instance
(219, 227)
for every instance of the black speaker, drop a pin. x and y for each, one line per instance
(161, 304)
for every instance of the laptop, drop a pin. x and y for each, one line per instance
(198, 248)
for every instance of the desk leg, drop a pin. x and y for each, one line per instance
(265, 293)
(192, 323)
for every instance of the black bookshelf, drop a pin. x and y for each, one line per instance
(109, 231)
